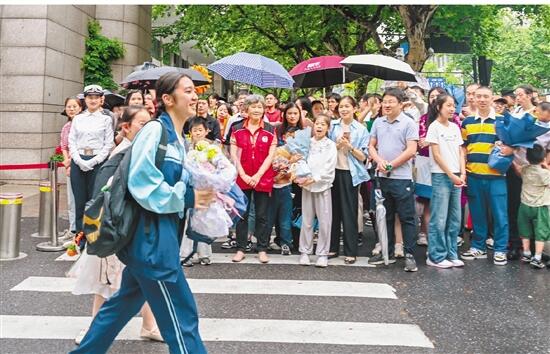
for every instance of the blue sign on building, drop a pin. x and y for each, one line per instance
(437, 82)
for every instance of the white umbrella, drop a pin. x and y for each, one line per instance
(421, 81)
(381, 226)
(379, 66)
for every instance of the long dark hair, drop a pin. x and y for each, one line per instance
(433, 111)
(166, 84)
(438, 103)
(130, 94)
(285, 126)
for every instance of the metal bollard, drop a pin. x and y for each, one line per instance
(45, 214)
(10, 227)
(53, 245)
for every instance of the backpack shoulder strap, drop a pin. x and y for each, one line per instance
(163, 146)
(159, 159)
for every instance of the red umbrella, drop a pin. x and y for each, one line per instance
(321, 72)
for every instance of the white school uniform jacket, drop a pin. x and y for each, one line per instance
(322, 162)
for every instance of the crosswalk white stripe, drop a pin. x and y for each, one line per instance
(251, 258)
(241, 286)
(234, 330)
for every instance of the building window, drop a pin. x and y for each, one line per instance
(156, 49)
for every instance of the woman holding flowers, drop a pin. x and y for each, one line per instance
(253, 144)
(153, 272)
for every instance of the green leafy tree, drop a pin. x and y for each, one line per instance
(100, 53)
(293, 33)
(519, 48)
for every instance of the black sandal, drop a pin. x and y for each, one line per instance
(332, 255)
(350, 260)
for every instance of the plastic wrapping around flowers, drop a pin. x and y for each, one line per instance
(210, 169)
(515, 132)
(299, 145)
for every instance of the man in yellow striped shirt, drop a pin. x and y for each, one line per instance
(486, 186)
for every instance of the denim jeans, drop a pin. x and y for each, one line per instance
(485, 194)
(399, 198)
(445, 218)
(280, 212)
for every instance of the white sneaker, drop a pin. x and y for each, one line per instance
(274, 246)
(80, 336)
(304, 259)
(399, 253)
(457, 263)
(490, 243)
(322, 262)
(422, 239)
(443, 264)
(459, 241)
(377, 249)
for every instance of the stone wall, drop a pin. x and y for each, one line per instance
(41, 48)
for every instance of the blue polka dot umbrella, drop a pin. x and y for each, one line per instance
(253, 69)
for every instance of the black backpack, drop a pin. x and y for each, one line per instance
(112, 215)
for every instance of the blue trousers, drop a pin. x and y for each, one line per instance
(445, 219)
(485, 194)
(172, 304)
(280, 214)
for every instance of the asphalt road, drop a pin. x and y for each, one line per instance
(481, 308)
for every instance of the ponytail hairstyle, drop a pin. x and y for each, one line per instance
(433, 111)
(166, 85)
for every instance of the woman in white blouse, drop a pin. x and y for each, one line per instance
(316, 194)
(90, 142)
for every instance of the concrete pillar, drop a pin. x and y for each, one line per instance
(41, 48)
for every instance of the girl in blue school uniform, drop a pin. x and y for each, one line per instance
(153, 272)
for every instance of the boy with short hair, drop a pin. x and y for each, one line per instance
(534, 210)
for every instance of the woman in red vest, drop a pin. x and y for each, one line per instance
(253, 144)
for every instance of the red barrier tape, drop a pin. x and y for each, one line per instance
(30, 166)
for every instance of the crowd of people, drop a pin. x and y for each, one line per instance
(355, 147)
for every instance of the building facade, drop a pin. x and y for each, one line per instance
(41, 48)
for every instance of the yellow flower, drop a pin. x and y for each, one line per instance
(211, 152)
(201, 145)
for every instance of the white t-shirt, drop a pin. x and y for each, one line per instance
(449, 140)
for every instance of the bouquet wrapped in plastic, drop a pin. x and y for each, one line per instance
(210, 169)
(281, 161)
(515, 132)
(299, 145)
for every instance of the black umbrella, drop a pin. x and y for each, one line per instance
(113, 99)
(146, 79)
(380, 66)
(321, 72)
